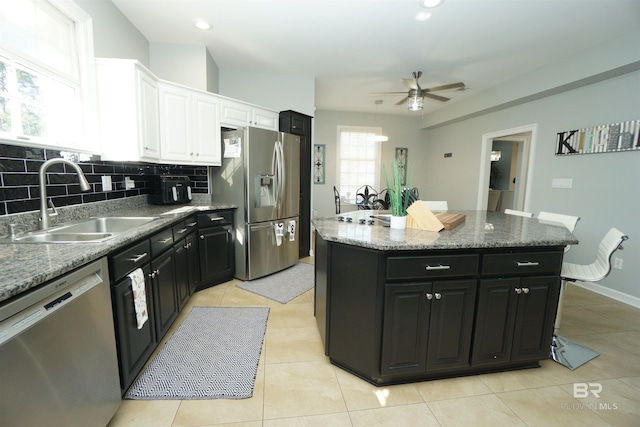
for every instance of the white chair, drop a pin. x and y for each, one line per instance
(563, 350)
(518, 213)
(554, 218)
(436, 205)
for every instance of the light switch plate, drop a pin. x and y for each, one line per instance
(562, 183)
(106, 183)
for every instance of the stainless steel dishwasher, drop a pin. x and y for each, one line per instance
(58, 364)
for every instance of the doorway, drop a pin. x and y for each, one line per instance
(521, 143)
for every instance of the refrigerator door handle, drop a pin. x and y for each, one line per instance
(262, 226)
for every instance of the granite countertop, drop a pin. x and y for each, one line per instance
(481, 229)
(27, 265)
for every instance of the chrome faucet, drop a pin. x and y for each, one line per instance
(45, 215)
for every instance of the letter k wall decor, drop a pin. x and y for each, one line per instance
(622, 136)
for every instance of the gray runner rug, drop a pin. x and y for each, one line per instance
(284, 285)
(214, 354)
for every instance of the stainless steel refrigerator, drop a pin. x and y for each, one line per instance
(260, 173)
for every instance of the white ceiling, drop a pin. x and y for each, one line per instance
(354, 47)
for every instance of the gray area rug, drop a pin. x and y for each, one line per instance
(284, 285)
(214, 354)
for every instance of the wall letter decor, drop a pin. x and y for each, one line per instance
(318, 163)
(622, 136)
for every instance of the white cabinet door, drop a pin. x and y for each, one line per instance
(265, 119)
(206, 130)
(127, 110)
(175, 124)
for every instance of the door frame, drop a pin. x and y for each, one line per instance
(528, 154)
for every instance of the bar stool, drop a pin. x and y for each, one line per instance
(564, 351)
(568, 221)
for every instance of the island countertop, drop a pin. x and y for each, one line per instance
(481, 229)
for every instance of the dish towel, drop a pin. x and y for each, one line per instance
(139, 296)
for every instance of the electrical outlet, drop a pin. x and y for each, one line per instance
(106, 183)
(617, 263)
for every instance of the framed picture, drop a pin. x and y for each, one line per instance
(318, 163)
(401, 157)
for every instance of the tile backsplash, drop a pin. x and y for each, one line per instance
(19, 187)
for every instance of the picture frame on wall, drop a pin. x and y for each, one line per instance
(402, 154)
(318, 163)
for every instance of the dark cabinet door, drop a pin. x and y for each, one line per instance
(405, 328)
(451, 324)
(217, 259)
(134, 345)
(164, 292)
(495, 320)
(182, 272)
(537, 304)
(193, 262)
(427, 327)
(514, 319)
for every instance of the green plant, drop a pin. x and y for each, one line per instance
(397, 203)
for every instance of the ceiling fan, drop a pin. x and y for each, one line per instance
(416, 94)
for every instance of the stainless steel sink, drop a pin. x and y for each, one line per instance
(92, 230)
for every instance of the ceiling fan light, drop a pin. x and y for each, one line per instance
(415, 104)
(428, 4)
(202, 25)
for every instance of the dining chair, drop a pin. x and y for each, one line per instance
(568, 221)
(365, 196)
(518, 213)
(336, 199)
(437, 205)
(564, 351)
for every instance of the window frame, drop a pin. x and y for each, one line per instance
(85, 83)
(369, 131)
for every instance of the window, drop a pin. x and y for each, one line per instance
(358, 159)
(45, 47)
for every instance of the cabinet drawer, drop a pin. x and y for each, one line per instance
(432, 266)
(522, 263)
(213, 219)
(180, 230)
(161, 241)
(126, 261)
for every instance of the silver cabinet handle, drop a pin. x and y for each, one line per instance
(184, 230)
(437, 267)
(438, 295)
(167, 240)
(192, 224)
(518, 291)
(525, 290)
(527, 263)
(429, 296)
(218, 218)
(137, 258)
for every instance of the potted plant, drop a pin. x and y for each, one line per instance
(397, 203)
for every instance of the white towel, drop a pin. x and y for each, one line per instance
(139, 296)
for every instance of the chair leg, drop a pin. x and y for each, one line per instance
(564, 351)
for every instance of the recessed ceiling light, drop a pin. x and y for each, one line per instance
(202, 25)
(430, 3)
(423, 16)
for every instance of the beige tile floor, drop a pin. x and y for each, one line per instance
(297, 386)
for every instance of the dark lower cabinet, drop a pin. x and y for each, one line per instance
(512, 320)
(216, 247)
(427, 327)
(134, 345)
(164, 292)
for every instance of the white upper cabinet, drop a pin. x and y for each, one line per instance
(128, 111)
(235, 113)
(189, 125)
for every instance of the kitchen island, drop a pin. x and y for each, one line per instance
(396, 306)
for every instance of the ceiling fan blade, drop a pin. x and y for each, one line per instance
(405, 99)
(435, 97)
(387, 93)
(445, 87)
(410, 83)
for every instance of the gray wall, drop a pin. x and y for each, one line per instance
(114, 36)
(403, 131)
(605, 186)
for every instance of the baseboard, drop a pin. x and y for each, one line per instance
(610, 293)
